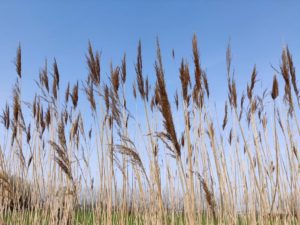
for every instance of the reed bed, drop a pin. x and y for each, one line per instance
(61, 163)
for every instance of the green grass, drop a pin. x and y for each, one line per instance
(87, 217)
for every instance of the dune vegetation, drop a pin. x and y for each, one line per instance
(175, 160)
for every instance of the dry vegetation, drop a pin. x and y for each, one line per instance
(59, 165)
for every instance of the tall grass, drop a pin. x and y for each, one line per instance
(61, 163)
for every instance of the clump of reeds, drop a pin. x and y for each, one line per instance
(64, 163)
(15, 193)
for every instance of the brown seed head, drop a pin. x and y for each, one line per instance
(228, 59)
(18, 61)
(292, 71)
(124, 69)
(54, 89)
(252, 84)
(61, 135)
(89, 90)
(139, 71)
(55, 82)
(42, 122)
(28, 135)
(67, 93)
(285, 67)
(74, 95)
(275, 89)
(93, 61)
(147, 87)
(176, 99)
(286, 76)
(48, 117)
(225, 116)
(134, 89)
(44, 81)
(233, 94)
(115, 107)
(196, 63)
(6, 117)
(165, 107)
(197, 92)
(185, 80)
(209, 197)
(114, 76)
(56, 76)
(106, 97)
(205, 81)
(16, 103)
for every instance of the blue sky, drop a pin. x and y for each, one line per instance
(257, 30)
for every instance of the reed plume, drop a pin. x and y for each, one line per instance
(62, 160)
(209, 198)
(275, 88)
(18, 61)
(74, 95)
(252, 83)
(139, 71)
(61, 135)
(89, 90)
(185, 80)
(225, 116)
(198, 89)
(114, 77)
(123, 69)
(67, 93)
(93, 61)
(286, 76)
(164, 104)
(55, 82)
(5, 117)
(106, 98)
(44, 80)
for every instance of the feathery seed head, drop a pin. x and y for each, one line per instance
(139, 71)
(6, 117)
(114, 76)
(18, 62)
(124, 69)
(93, 61)
(74, 95)
(165, 107)
(275, 89)
(185, 80)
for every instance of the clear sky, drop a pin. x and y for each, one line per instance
(61, 29)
